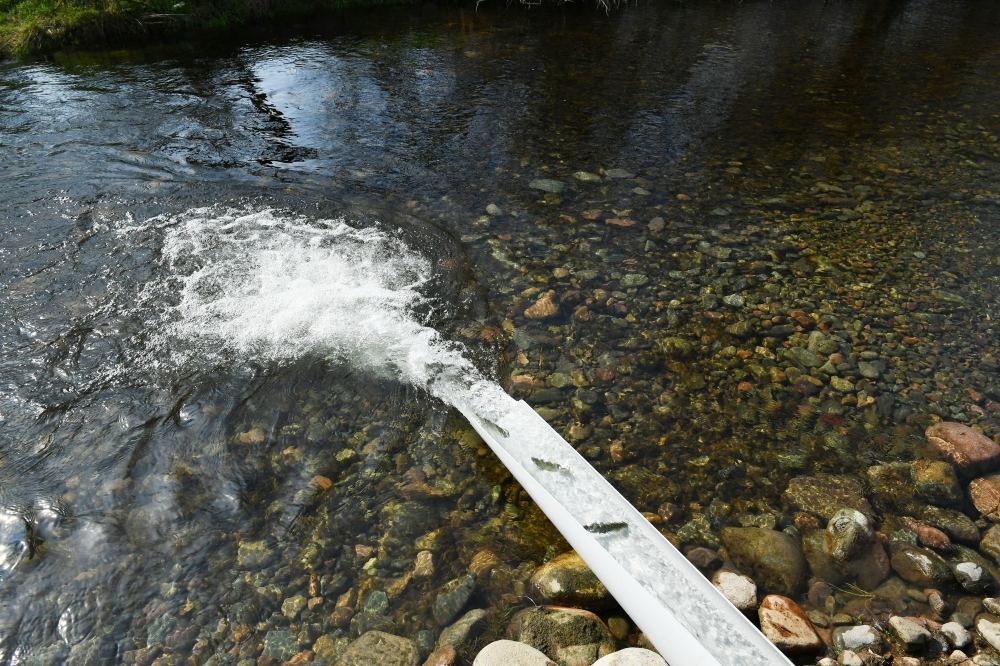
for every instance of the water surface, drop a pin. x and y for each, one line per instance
(757, 173)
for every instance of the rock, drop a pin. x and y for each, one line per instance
(920, 566)
(891, 484)
(466, 629)
(990, 543)
(928, 536)
(859, 637)
(423, 567)
(826, 494)
(985, 495)
(869, 370)
(634, 280)
(739, 589)
(802, 357)
(566, 634)
(912, 635)
(973, 572)
(443, 656)
(292, 606)
(493, 209)
(483, 562)
(566, 579)
(547, 185)
(957, 635)
(935, 482)
(452, 598)
(850, 658)
(631, 657)
(618, 173)
(988, 627)
(543, 308)
(847, 534)
(376, 648)
(511, 653)
(970, 451)
(587, 177)
(955, 524)
(280, 644)
(841, 384)
(787, 626)
(773, 559)
(253, 554)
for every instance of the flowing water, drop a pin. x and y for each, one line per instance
(240, 281)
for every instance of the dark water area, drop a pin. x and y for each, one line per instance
(769, 230)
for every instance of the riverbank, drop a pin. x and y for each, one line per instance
(30, 27)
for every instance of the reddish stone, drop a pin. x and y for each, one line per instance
(928, 536)
(443, 656)
(786, 625)
(972, 452)
(985, 495)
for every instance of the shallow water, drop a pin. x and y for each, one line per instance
(760, 172)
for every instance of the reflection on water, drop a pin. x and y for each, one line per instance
(763, 186)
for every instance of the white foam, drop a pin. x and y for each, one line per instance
(271, 285)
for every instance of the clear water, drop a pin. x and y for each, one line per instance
(171, 386)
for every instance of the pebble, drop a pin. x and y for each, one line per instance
(587, 177)
(547, 185)
(466, 629)
(858, 637)
(911, 634)
(618, 173)
(850, 658)
(740, 590)
(543, 308)
(957, 635)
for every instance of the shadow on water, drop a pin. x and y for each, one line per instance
(832, 164)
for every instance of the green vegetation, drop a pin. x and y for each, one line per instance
(31, 26)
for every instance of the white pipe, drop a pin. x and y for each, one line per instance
(688, 620)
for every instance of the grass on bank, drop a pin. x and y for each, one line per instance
(32, 26)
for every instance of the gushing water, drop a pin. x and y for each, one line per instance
(275, 286)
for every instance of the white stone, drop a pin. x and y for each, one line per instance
(631, 657)
(739, 589)
(912, 634)
(957, 635)
(506, 653)
(990, 631)
(850, 658)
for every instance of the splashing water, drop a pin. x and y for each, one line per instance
(277, 286)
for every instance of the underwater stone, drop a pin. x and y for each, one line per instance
(567, 579)
(466, 629)
(560, 631)
(826, 494)
(970, 451)
(773, 559)
(912, 635)
(377, 648)
(920, 566)
(547, 185)
(452, 597)
(847, 533)
(280, 644)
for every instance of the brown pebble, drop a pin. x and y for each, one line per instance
(543, 308)
(443, 656)
(321, 482)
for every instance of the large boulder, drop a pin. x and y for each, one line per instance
(970, 451)
(567, 579)
(773, 559)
